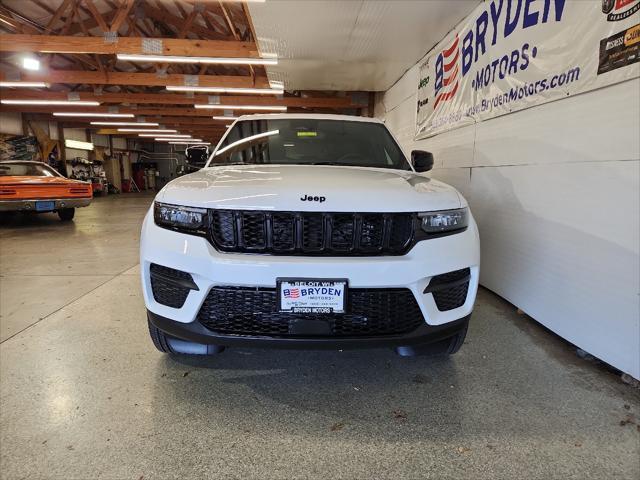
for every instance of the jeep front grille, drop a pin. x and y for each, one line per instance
(310, 233)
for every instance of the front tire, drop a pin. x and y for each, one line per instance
(159, 339)
(455, 343)
(167, 344)
(66, 214)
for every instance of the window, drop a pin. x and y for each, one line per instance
(310, 141)
(26, 169)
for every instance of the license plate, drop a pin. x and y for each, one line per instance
(45, 206)
(306, 295)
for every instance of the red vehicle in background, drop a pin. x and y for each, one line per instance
(36, 187)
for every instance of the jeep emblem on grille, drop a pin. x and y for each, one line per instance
(309, 198)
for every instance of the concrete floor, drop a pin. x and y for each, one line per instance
(85, 395)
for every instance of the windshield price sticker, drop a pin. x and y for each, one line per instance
(312, 296)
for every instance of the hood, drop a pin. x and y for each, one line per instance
(331, 188)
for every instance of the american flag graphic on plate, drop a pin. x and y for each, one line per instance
(447, 73)
(291, 293)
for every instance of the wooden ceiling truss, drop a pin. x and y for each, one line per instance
(77, 42)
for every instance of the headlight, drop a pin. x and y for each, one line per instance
(444, 220)
(188, 219)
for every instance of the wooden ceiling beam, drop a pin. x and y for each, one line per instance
(142, 79)
(91, 22)
(123, 13)
(146, 111)
(97, 16)
(56, 16)
(174, 122)
(182, 33)
(130, 45)
(181, 99)
(165, 16)
(20, 24)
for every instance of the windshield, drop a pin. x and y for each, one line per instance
(26, 169)
(310, 141)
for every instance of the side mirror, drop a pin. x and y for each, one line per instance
(422, 161)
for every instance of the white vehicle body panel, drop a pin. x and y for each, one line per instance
(208, 267)
(280, 187)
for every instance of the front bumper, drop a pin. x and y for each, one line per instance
(195, 332)
(30, 205)
(209, 267)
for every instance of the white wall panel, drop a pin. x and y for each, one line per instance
(555, 190)
(100, 140)
(76, 134)
(10, 123)
(119, 142)
(589, 127)
(566, 256)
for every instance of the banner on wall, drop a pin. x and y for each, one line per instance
(509, 55)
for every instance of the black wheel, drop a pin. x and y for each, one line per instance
(162, 343)
(159, 339)
(66, 214)
(455, 343)
(6, 216)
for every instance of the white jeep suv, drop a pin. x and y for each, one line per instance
(309, 231)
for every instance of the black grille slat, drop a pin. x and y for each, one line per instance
(450, 289)
(450, 298)
(223, 227)
(253, 230)
(283, 231)
(167, 285)
(342, 232)
(253, 311)
(401, 231)
(311, 233)
(372, 232)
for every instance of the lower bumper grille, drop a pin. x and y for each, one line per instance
(170, 287)
(450, 289)
(253, 312)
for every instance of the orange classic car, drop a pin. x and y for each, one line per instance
(36, 187)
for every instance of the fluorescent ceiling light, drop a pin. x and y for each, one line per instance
(23, 84)
(276, 108)
(225, 118)
(160, 134)
(145, 130)
(91, 114)
(66, 103)
(205, 60)
(259, 91)
(31, 63)
(248, 139)
(191, 140)
(127, 124)
(78, 145)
